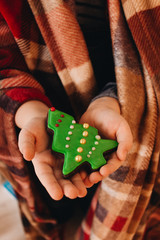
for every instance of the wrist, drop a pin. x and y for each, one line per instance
(106, 102)
(29, 110)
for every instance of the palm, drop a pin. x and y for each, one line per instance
(111, 125)
(49, 171)
(34, 145)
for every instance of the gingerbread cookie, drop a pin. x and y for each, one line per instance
(80, 143)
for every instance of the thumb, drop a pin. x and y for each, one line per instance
(125, 140)
(26, 143)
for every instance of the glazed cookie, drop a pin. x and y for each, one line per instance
(80, 143)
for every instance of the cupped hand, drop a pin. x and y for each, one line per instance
(104, 114)
(34, 144)
(48, 168)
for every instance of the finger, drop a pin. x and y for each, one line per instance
(111, 166)
(79, 184)
(95, 177)
(125, 140)
(83, 174)
(85, 178)
(69, 189)
(46, 176)
(67, 186)
(26, 143)
(87, 182)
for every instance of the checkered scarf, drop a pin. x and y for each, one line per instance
(119, 209)
(39, 36)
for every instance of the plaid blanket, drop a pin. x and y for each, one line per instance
(41, 41)
(119, 211)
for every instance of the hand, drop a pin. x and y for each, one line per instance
(34, 145)
(48, 168)
(104, 114)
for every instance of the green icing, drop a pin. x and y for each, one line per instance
(67, 139)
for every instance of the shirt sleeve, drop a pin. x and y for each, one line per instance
(109, 90)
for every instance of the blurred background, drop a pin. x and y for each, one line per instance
(10, 227)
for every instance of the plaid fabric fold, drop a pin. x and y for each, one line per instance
(120, 212)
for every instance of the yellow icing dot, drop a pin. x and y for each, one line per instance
(85, 134)
(78, 158)
(80, 149)
(83, 141)
(86, 125)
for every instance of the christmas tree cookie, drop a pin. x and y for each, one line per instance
(80, 143)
